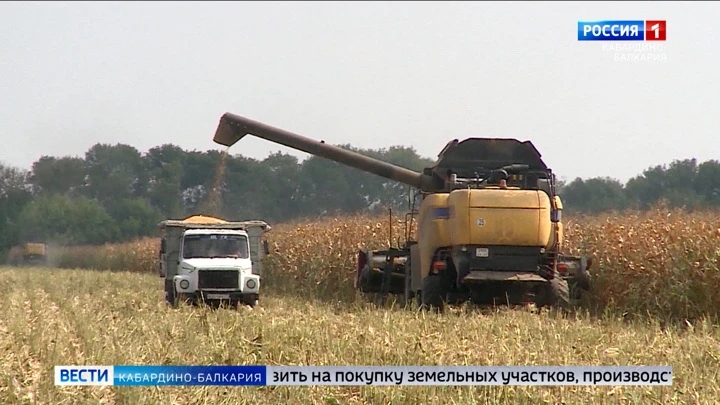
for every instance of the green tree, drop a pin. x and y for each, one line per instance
(198, 176)
(115, 172)
(593, 195)
(15, 194)
(65, 220)
(676, 183)
(165, 168)
(707, 182)
(281, 185)
(328, 186)
(52, 175)
(646, 189)
(117, 193)
(133, 218)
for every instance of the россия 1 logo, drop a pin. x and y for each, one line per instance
(628, 30)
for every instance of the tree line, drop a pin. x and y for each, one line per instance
(116, 193)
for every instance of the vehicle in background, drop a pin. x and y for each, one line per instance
(29, 254)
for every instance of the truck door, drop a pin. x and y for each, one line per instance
(162, 265)
(255, 241)
(171, 255)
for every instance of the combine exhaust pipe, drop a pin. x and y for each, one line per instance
(233, 127)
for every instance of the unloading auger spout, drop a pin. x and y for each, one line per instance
(232, 128)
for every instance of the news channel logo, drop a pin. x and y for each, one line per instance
(628, 41)
(84, 375)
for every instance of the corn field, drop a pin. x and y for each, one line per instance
(664, 263)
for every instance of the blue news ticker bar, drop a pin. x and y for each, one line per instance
(189, 375)
(360, 375)
(611, 30)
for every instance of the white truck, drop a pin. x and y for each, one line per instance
(209, 260)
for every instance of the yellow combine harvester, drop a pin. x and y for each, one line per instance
(489, 224)
(30, 254)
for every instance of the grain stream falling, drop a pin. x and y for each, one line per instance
(214, 203)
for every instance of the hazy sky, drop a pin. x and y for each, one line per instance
(369, 74)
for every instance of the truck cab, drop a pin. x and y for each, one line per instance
(206, 259)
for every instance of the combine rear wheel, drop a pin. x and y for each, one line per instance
(364, 280)
(555, 293)
(433, 293)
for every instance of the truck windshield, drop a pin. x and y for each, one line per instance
(215, 246)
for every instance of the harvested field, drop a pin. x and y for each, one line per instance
(65, 317)
(654, 302)
(51, 317)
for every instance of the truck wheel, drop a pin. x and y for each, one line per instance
(556, 293)
(170, 296)
(433, 293)
(252, 303)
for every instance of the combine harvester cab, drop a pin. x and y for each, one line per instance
(29, 254)
(35, 254)
(489, 223)
(210, 260)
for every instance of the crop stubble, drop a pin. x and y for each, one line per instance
(662, 264)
